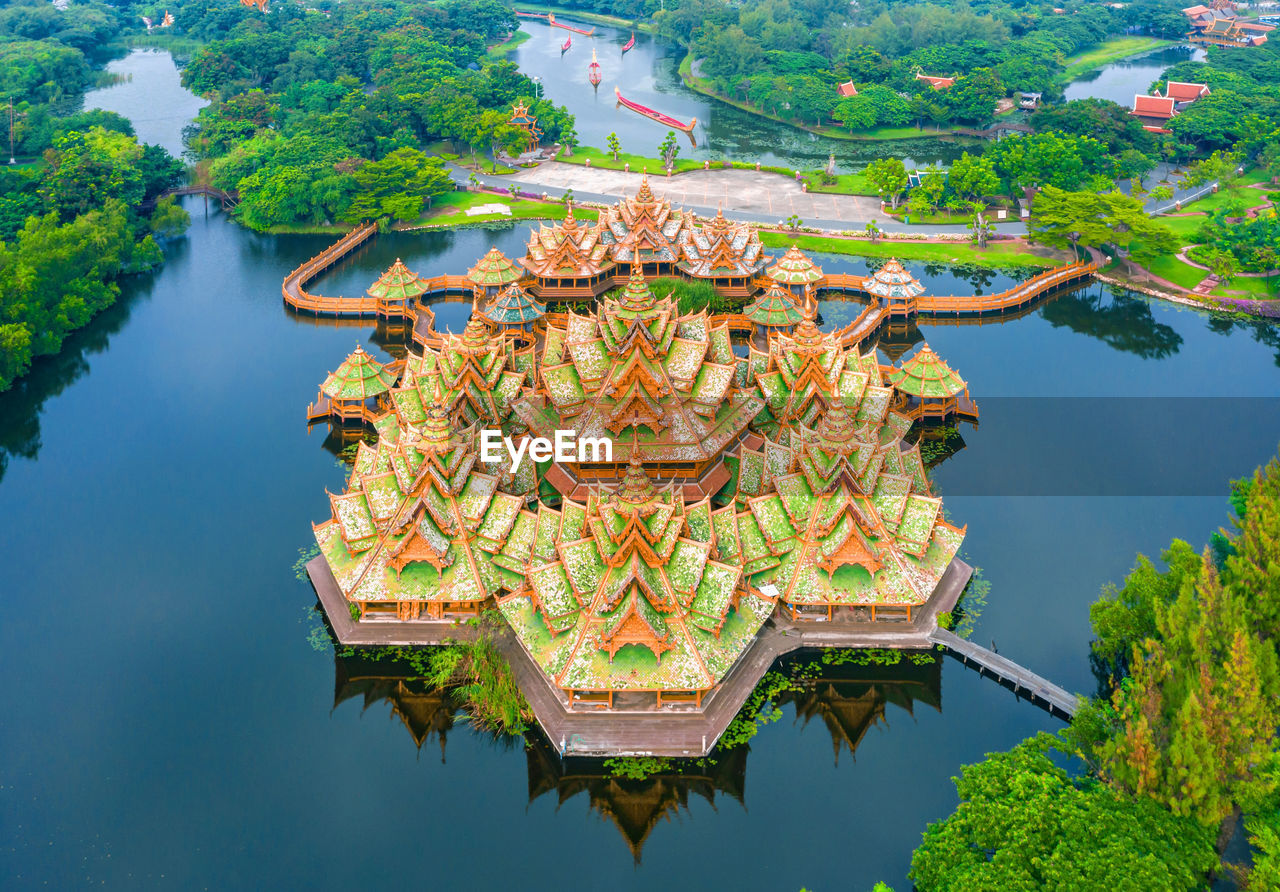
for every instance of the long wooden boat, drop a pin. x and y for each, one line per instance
(630, 43)
(564, 47)
(593, 70)
(658, 116)
(550, 18)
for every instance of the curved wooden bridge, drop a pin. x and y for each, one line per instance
(295, 294)
(228, 200)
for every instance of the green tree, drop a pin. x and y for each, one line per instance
(889, 178)
(398, 186)
(669, 150)
(615, 147)
(974, 176)
(86, 168)
(1025, 823)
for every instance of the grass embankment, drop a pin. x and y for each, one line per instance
(845, 184)
(499, 51)
(703, 86)
(997, 255)
(451, 208)
(177, 44)
(592, 17)
(638, 163)
(1110, 51)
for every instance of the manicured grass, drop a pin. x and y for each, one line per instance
(1254, 287)
(450, 209)
(1237, 191)
(703, 86)
(1171, 268)
(997, 255)
(1110, 51)
(1183, 227)
(845, 184)
(499, 52)
(638, 162)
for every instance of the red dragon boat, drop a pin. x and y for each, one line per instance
(550, 18)
(568, 42)
(593, 70)
(665, 120)
(630, 43)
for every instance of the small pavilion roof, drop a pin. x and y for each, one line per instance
(514, 307)
(847, 89)
(938, 83)
(775, 307)
(360, 376)
(926, 374)
(398, 283)
(795, 269)
(892, 280)
(1153, 106)
(494, 269)
(1184, 92)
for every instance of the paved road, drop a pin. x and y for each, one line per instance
(758, 197)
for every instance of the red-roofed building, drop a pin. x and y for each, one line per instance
(846, 90)
(938, 83)
(1183, 92)
(1154, 111)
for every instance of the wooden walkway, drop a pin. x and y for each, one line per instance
(1023, 681)
(676, 731)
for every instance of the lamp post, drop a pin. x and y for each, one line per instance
(537, 86)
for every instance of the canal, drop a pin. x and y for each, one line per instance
(170, 714)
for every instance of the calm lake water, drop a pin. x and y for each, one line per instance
(1120, 81)
(169, 724)
(648, 74)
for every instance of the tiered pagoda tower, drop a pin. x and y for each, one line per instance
(568, 261)
(737, 488)
(727, 255)
(647, 378)
(645, 234)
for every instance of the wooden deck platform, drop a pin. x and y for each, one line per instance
(672, 731)
(1044, 692)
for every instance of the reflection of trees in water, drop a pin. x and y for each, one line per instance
(20, 406)
(1261, 330)
(1116, 318)
(836, 687)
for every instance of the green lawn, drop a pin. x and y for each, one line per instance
(997, 255)
(845, 184)
(638, 162)
(1255, 287)
(499, 52)
(1171, 268)
(1184, 227)
(1110, 51)
(450, 209)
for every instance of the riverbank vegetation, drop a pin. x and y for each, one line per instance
(1175, 755)
(786, 59)
(83, 212)
(302, 104)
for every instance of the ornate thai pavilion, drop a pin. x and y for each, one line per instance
(727, 255)
(645, 232)
(569, 261)
(895, 288)
(739, 488)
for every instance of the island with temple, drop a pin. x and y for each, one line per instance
(758, 497)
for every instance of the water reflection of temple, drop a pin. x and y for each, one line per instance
(846, 698)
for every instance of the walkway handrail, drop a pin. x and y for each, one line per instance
(293, 289)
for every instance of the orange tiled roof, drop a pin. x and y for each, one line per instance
(1184, 92)
(1153, 106)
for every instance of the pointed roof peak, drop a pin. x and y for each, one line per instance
(636, 487)
(645, 194)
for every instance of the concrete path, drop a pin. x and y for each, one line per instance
(760, 192)
(748, 195)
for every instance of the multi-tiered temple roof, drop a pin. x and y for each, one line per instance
(567, 250)
(795, 270)
(721, 249)
(926, 374)
(645, 229)
(641, 374)
(398, 283)
(735, 484)
(514, 308)
(359, 377)
(494, 271)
